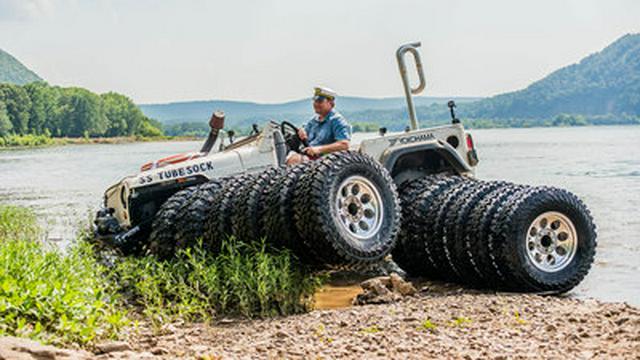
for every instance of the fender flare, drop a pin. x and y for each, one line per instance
(391, 156)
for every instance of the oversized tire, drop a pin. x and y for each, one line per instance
(478, 239)
(417, 198)
(545, 240)
(347, 209)
(437, 239)
(458, 229)
(248, 210)
(191, 218)
(277, 218)
(163, 229)
(218, 222)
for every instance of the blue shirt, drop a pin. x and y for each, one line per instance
(328, 130)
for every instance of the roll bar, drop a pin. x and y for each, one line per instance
(408, 90)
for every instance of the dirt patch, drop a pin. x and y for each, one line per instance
(440, 321)
(430, 324)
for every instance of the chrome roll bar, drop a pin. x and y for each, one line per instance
(408, 90)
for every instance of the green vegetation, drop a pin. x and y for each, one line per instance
(81, 296)
(13, 72)
(49, 295)
(243, 280)
(38, 111)
(427, 325)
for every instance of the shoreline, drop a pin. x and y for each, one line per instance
(434, 323)
(53, 142)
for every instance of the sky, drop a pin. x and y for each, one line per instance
(158, 51)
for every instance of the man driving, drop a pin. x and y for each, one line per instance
(326, 132)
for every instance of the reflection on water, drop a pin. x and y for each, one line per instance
(600, 164)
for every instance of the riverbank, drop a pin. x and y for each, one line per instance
(36, 141)
(431, 324)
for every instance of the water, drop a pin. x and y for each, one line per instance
(65, 184)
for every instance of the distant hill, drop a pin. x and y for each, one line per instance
(602, 89)
(14, 72)
(602, 85)
(243, 113)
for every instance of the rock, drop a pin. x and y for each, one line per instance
(159, 350)
(25, 349)
(113, 346)
(398, 284)
(370, 283)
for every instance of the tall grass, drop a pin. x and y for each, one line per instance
(248, 280)
(49, 295)
(76, 297)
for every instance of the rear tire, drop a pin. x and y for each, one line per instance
(546, 240)
(416, 199)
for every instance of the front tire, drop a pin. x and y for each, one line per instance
(347, 209)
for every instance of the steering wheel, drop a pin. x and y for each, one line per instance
(291, 137)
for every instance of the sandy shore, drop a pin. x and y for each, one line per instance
(438, 322)
(492, 326)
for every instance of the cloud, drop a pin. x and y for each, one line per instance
(26, 9)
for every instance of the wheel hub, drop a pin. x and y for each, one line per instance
(359, 207)
(552, 241)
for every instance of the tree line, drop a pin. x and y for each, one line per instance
(40, 109)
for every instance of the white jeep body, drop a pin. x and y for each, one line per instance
(406, 155)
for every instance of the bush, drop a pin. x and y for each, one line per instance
(249, 280)
(49, 295)
(17, 223)
(25, 140)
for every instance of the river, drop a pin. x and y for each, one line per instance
(64, 185)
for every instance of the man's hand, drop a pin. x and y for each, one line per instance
(302, 134)
(312, 151)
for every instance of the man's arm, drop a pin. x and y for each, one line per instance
(329, 148)
(342, 132)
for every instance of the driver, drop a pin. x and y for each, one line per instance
(327, 131)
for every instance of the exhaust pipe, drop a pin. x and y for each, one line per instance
(216, 123)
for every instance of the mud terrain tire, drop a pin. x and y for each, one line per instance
(163, 230)
(191, 218)
(347, 209)
(533, 228)
(246, 219)
(416, 196)
(218, 224)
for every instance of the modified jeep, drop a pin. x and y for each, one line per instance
(412, 195)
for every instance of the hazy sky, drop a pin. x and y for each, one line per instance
(272, 51)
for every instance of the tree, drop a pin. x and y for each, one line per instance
(18, 105)
(81, 113)
(5, 123)
(43, 102)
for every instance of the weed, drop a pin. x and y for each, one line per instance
(248, 280)
(427, 325)
(49, 295)
(460, 321)
(373, 329)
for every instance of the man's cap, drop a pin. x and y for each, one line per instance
(320, 92)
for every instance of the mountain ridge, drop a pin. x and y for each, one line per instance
(12, 71)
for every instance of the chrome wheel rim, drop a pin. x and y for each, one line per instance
(359, 207)
(551, 242)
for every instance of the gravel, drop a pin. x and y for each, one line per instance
(462, 325)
